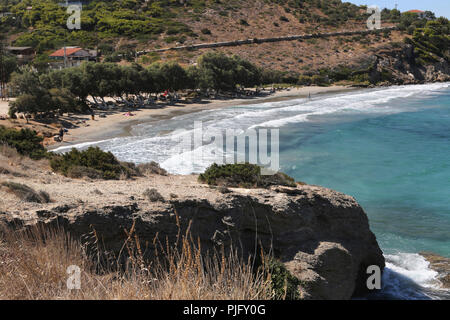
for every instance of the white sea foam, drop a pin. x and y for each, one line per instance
(160, 142)
(77, 146)
(409, 276)
(366, 101)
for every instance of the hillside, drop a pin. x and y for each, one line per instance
(120, 28)
(129, 36)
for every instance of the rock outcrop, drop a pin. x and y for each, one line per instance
(441, 265)
(322, 236)
(398, 65)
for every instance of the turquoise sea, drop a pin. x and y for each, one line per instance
(397, 165)
(387, 147)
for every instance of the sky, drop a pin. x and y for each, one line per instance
(439, 7)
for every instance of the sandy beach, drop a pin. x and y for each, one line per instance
(109, 124)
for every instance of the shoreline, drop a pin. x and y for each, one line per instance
(110, 124)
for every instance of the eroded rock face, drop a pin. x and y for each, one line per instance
(441, 265)
(401, 65)
(322, 236)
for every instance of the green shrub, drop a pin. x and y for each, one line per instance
(432, 41)
(78, 172)
(318, 80)
(93, 163)
(283, 284)
(362, 78)
(25, 141)
(243, 175)
(410, 30)
(339, 73)
(206, 31)
(243, 22)
(386, 76)
(304, 80)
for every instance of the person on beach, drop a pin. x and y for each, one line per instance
(61, 134)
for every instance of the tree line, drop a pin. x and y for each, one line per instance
(432, 42)
(67, 90)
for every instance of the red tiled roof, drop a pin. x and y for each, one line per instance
(60, 52)
(415, 11)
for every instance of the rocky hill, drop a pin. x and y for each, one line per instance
(120, 29)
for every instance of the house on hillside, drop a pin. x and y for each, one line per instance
(420, 13)
(71, 57)
(23, 54)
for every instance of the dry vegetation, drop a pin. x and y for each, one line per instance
(265, 20)
(25, 193)
(34, 261)
(298, 56)
(33, 265)
(13, 164)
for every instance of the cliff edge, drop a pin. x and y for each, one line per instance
(322, 236)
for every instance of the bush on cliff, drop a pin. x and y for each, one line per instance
(25, 193)
(244, 175)
(151, 168)
(153, 195)
(93, 163)
(283, 284)
(432, 41)
(25, 141)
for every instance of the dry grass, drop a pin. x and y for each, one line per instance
(153, 195)
(25, 193)
(33, 265)
(17, 164)
(9, 152)
(151, 168)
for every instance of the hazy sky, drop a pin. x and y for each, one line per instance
(439, 7)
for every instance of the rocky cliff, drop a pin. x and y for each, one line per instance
(399, 65)
(322, 236)
(441, 265)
